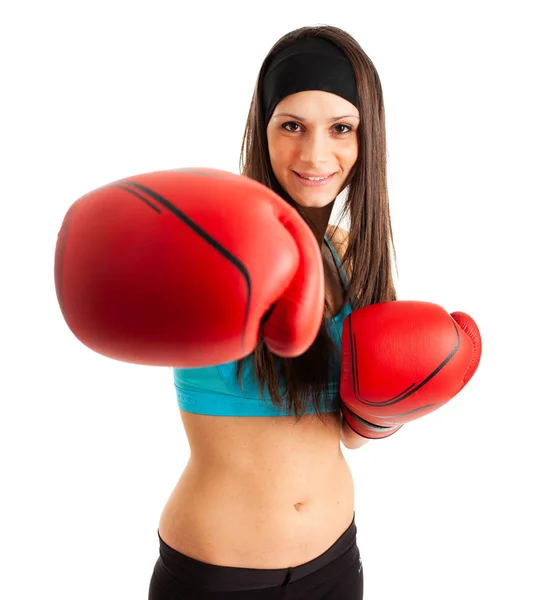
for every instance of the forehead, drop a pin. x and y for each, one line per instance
(316, 104)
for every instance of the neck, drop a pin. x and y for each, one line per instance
(318, 219)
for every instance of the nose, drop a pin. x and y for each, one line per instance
(315, 148)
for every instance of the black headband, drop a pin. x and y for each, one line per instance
(308, 64)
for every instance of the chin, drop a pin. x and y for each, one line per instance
(314, 199)
(312, 204)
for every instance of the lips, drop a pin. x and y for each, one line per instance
(313, 175)
(313, 183)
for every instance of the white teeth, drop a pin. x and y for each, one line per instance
(314, 178)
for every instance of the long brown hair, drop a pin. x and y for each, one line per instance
(368, 256)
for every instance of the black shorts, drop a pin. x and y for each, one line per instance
(335, 574)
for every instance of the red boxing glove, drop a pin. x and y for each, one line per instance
(183, 268)
(402, 360)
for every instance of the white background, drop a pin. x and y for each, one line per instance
(90, 448)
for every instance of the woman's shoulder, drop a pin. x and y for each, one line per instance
(339, 238)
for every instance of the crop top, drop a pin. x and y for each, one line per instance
(216, 391)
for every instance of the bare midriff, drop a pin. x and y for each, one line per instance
(260, 492)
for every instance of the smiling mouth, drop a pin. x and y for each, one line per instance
(314, 178)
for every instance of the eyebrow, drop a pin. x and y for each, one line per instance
(297, 118)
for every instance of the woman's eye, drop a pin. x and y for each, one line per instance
(348, 128)
(290, 124)
(293, 127)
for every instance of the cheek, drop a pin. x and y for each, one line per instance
(349, 154)
(280, 154)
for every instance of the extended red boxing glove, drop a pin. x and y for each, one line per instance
(182, 268)
(402, 360)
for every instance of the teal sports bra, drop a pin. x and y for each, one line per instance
(216, 391)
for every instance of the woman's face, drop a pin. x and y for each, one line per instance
(312, 134)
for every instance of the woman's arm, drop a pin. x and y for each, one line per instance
(350, 439)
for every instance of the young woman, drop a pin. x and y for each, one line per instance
(265, 505)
